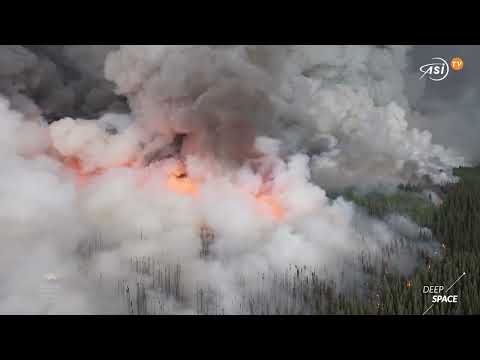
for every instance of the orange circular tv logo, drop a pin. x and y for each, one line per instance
(456, 64)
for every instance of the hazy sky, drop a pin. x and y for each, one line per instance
(452, 104)
(69, 80)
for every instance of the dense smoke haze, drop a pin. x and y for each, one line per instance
(147, 147)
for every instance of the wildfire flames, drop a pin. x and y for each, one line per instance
(81, 176)
(272, 206)
(178, 181)
(182, 185)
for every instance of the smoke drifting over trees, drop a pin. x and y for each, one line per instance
(145, 146)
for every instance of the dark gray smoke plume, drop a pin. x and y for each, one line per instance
(57, 81)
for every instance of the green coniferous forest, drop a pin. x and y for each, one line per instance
(456, 225)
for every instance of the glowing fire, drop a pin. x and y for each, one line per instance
(177, 181)
(182, 185)
(272, 205)
(82, 177)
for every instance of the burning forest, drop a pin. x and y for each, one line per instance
(199, 179)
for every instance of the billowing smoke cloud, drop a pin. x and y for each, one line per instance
(450, 111)
(345, 106)
(240, 141)
(57, 81)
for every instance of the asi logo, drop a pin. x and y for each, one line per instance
(439, 69)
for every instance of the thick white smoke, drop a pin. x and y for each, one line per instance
(264, 130)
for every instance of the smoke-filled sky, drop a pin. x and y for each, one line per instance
(69, 80)
(450, 106)
(163, 141)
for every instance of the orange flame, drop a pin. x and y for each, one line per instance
(182, 185)
(272, 205)
(177, 181)
(75, 165)
(81, 175)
